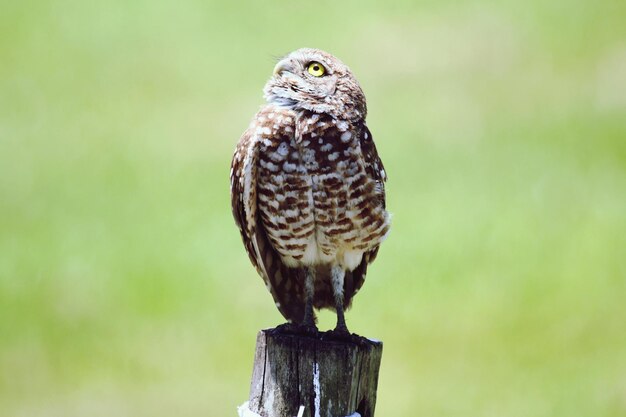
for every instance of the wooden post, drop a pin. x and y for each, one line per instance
(312, 377)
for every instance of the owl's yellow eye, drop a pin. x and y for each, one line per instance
(316, 69)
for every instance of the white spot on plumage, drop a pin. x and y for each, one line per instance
(353, 169)
(314, 118)
(269, 201)
(346, 136)
(268, 186)
(287, 167)
(269, 165)
(291, 213)
(283, 149)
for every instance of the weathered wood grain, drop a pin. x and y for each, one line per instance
(329, 378)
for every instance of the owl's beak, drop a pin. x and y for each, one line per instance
(283, 65)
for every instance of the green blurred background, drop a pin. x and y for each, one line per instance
(124, 286)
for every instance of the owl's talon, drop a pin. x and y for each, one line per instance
(341, 330)
(342, 335)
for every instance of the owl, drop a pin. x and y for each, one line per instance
(307, 188)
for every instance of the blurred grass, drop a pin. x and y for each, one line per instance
(124, 287)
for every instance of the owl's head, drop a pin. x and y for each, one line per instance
(311, 79)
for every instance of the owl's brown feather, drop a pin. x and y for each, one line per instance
(285, 284)
(307, 188)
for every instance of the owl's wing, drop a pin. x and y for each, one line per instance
(373, 164)
(375, 170)
(243, 186)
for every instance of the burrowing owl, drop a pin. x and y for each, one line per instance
(307, 188)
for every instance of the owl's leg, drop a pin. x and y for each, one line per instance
(307, 326)
(337, 275)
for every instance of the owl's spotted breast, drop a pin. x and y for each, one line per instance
(316, 200)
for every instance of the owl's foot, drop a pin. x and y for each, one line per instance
(343, 335)
(338, 336)
(341, 327)
(298, 329)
